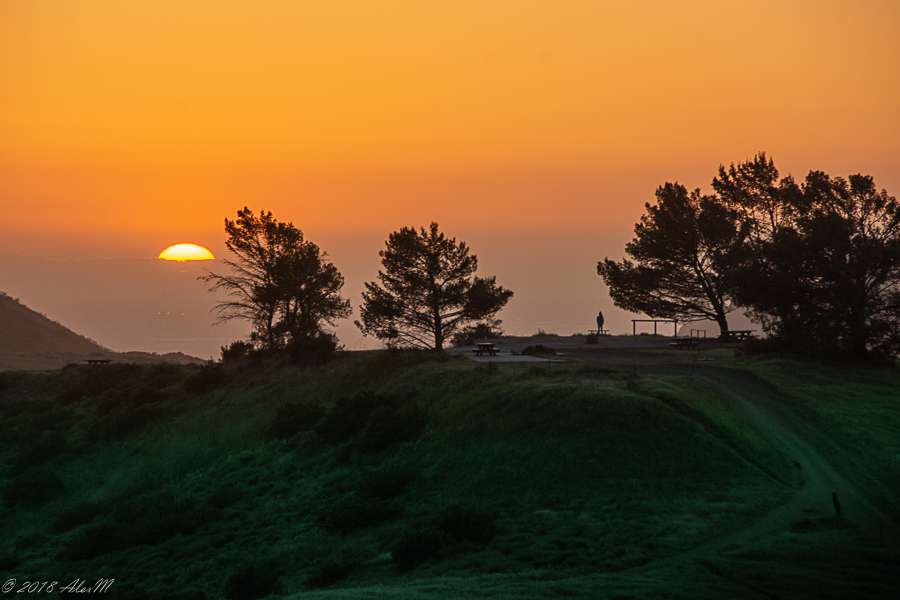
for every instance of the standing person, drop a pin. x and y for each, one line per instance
(599, 322)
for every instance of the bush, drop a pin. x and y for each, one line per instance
(47, 447)
(8, 561)
(348, 417)
(331, 572)
(206, 379)
(390, 424)
(80, 514)
(161, 375)
(354, 514)
(236, 350)
(538, 350)
(94, 380)
(251, 582)
(130, 421)
(294, 418)
(92, 542)
(313, 350)
(417, 547)
(32, 489)
(481, 331)
(468, 524)
(143, 520)
(386, 483)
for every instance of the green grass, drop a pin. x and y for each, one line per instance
(205, 483)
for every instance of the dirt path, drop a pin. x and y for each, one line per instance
(782, 542)
(818, 475)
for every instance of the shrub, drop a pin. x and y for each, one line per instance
(206, 379)
(355, 513)
(8, 561)
(93, 541)
(390, 424)
(468, 524)
(50, 445)
(143, 520)
(129, 421)
(81, 513)
(348, 417)
(251, 582)
(161, 375)
(386, 483)
(93, 381)
(313, 350)
(32, 489)
(236, 350)
(417, 547)
(294, 418)
(480, 331)
(538, 350)
(331, 572)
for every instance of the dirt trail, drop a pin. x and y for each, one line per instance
(807, 514)
(817, 476)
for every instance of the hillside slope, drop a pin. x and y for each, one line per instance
(24, 331)
(407, 475)
(29, 341)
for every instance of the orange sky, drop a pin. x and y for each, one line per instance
(128, 126)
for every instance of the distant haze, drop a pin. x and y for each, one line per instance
(534, 131)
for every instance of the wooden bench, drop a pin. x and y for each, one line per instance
(485, 348)
(598, 332)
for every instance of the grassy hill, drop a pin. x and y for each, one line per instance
(406, 475)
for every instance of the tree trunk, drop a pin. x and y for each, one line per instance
(722, 320)
(438, 331)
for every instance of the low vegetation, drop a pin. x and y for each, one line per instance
(407, 474)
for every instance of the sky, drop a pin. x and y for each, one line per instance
(533, 130)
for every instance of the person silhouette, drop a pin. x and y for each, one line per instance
(599, 322)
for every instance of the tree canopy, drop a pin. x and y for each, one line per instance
(675, 257)
(816, 261)
(281, 283)
(427, 291)
(824, 274)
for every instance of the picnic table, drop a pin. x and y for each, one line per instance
(740, 334)
(98, 361)
(688, 342)
(482, 348)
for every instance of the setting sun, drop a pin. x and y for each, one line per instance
(185, 252)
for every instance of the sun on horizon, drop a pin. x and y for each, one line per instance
(186, 251)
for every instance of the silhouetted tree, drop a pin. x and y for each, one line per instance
(761, 274)
(427, 291)
(679, 245)
(280, 282)
(824, 273)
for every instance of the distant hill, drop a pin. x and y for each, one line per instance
(25, 331)
(31, 341)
